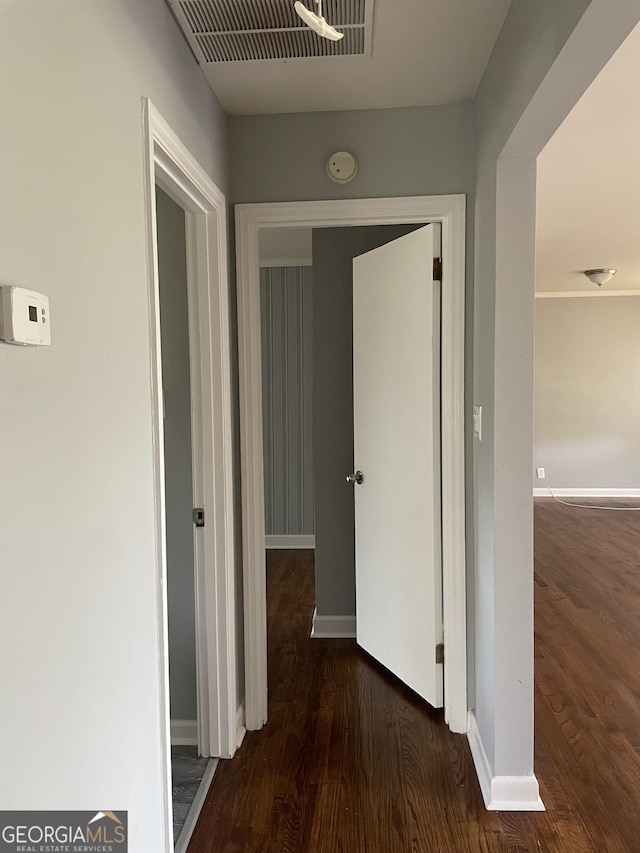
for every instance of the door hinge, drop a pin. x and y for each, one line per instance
(198, 516)
(440, 653)
(437, 269)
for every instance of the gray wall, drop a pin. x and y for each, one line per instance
(286, 246)
(532, 80)
(333, 253)
(174, 327)
(530, 40)
(587, 392)
(416, 151)
(77, 443)
(287, 388)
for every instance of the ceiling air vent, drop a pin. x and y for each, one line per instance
(244, 30)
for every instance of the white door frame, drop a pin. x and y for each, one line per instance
(449, 210)
(169, 164)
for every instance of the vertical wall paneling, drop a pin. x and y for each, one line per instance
(306, 374)
(287, 374)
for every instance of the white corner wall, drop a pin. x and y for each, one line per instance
(79, 716)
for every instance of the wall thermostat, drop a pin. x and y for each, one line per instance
(24, 317)
(342, 167)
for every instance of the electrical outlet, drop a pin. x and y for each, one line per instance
(540, 473)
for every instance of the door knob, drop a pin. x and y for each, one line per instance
(355, 478)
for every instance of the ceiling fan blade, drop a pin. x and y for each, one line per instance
(316, 23)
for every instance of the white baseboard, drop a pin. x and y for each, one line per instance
(502, 793)
(307, 540)
(333, 627)
(184, 732)
(587, 493)
(240, 726)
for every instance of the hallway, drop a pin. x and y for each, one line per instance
(352, 762)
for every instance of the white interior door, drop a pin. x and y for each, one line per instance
(396, 375)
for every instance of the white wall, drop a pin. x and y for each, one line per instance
(79, 716)
(587, 393)
(545, 57)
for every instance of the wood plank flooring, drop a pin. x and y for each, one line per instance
(351, 761)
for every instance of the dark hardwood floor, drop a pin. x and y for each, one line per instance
(352, 762)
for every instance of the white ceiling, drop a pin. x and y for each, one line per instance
(425, 52)
(589, 183)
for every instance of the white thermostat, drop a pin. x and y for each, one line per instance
(24, 317)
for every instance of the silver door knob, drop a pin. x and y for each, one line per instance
(355, 478)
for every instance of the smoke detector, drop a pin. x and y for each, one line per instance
(342, 167)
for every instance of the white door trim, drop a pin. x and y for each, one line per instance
(169, 164)
(449, 210)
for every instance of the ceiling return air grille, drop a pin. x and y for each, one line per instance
(245, 30)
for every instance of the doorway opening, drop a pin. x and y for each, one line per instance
(251, 219)
(586, 447)
(190, 770)
(192, 429)
(306, 306)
